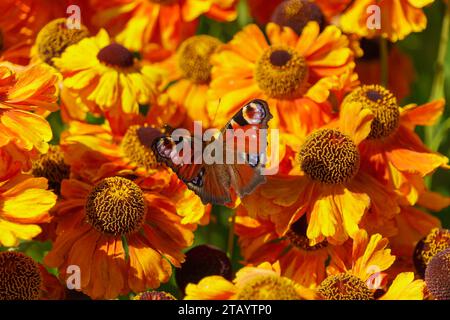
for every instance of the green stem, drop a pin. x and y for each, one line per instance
(230, 245)
(435, 134)
(384, 55)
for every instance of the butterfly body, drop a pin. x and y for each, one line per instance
(243, 144)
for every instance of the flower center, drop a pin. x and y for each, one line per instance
(203, 261)
(329, 156)
(297, 236)
(55, 37)
(154, 295)
(20, 277)
(281, 73)
(384, 106)
(116, 206)
(52, 167)
(437, 275)
(269, 287)
(116, 55)
(194, 57)
(135, 150)
(296, 14)
(344, 286)
(436, 241)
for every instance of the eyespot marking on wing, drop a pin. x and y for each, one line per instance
(165, 147)
(254, 112)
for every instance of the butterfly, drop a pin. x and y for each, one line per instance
(215, 182)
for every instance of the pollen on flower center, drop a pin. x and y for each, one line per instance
(344, 286)
(436, 241)
(329, 156)
(194, 57)
(269, 287)
(55, 37)
(297, 236)
(154, 295)
(116, 55)
(437, 275)
(281, 72)
(136, 151)
(296, 14)
(116, 206)
(20, 277)
(384, 106)
(52, 167)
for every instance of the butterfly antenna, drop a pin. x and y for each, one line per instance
(215, 113)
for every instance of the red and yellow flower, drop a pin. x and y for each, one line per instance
(357, 271)
(326, 184)
(398, 18)
(190, 67)
(129, 228)
(26, 95)
(138, 23)
(294, 74)
(393, 152)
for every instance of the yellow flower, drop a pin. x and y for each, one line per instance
(356, 272)
(25, 204)
(105, 75)
(398, 18)
(262, 282)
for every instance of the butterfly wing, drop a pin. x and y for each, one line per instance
(246, 137)
(213, 182)
(210, 182)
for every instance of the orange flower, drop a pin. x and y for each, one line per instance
(94, 151)
(299, 261)
(190, 67)
(25, 204)
(332, 8)
(329, 187)
(393, 152)
(263, 282)
(398, 18)
(368, 68)
(140, 22)
(25, 95)
(412, 225)
(128, 228)
(18, 26)
(294, 74)
(355, 273)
